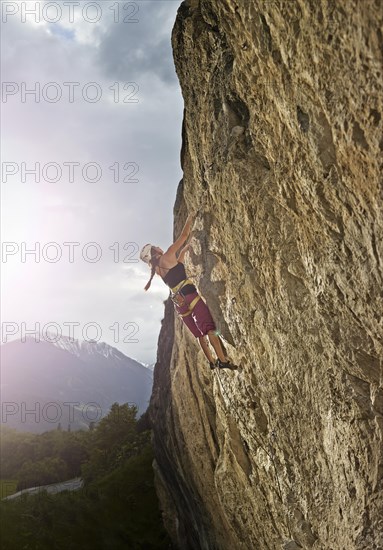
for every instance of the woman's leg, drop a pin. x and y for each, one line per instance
(206, 349)
(201, 323)
(216, 343)
(205, 323)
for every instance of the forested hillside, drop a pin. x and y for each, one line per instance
(116, 508)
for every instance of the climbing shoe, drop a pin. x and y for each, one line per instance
(227, 365)
(212, 366)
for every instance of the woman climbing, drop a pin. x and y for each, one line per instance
(188, 303)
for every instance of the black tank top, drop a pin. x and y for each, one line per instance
(177, 274)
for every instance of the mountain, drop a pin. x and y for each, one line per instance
(282, 159)
(68, 382)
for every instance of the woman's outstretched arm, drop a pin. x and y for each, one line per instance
(183, 237)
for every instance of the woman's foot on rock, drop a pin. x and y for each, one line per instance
(225, 365)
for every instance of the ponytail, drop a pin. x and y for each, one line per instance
(147, 286)
(153, 262)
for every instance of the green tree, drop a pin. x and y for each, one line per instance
(43, 472)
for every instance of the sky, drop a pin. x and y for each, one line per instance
(91, 118)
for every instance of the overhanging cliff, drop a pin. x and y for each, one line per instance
(282, 159)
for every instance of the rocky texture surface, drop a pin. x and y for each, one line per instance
(282, 159)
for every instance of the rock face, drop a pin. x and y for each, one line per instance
(282, 159)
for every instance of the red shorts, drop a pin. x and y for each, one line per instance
(200, 321)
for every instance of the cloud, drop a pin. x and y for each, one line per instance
(141, 50)
(147, 133)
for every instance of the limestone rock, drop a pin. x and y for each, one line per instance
(282, 160)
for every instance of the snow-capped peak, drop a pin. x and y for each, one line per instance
(88, 347)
